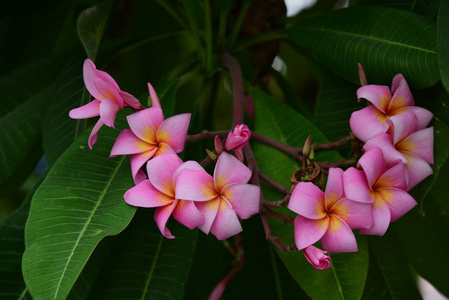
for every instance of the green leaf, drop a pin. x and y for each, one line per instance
(23, 99)
(145, 264)
(342, 38)
(443, 43)
(167, 96)
(91, 23)
(424, 7)
(78, 204)
(346, 278)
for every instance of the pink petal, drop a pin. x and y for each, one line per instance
(137, 161)
(89, 74)
(145, 123)
(173, 131)
(187, 214)
(356, 215)
(368, 122)
(128, 143)
(230, 170)
(130, 100)
(226, 223)
(378, 95)
(209, 210)
(402, 96)
(146, 195)
(108, 111)
(154, 98)
(308, 201)
(423, 115)
(420, 144)
(381, 215)
(385, 143)
(356, 186)
(160, 171)
(108, 90)
(308, 232)
(89, 110)
(399, 202)
(339, 237)
(317, 258)
(161, 217)
(164, 149)
(190, 165)
(402, 126)
(195, 185)
(94, 134)
(334, 187)
(373, 164)
(417, 170)
(393, 177)
(243, 197)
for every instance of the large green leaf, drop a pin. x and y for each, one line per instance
(22, 94)
(346, 278)
(145, 264)
(79, 203)
(340, 39)
(443, 43)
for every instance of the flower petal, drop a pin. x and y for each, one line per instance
(161, 217)
(393, 177)
(399, 202)
(355, 214)
(420, 144)
(402, 126)
(195, 185)
(402, 96)
(91, 109)
(173, 131)
(190, 165)
(381, 216)
(145, 123)
(308, 200)
(108, 90)
(146, 195)
(334, 187)
(378, 95)
(108, 111)
(128, 143)
(368, 122)
(154, 98)
(130, 100)
(339, 237)
(230, 170)
(209, 210)
(89, 74)
(94, 134)
(308, 232)
(243, 197)
(187, 214)
(356, 186)
(160, 171)
(385, 143)
(137, 161)
(423, 115)
(417, 170)
(226, 223)
(373, 164)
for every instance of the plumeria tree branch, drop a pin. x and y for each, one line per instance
(237, 81)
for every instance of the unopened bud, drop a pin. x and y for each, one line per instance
(153, 100)
(218, 144)
(307, 146)
(211, 154)
(362, 75)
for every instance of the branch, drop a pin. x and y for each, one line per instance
(206, 135)
(237, 81)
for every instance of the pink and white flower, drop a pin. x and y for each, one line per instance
(384, 188)
(371, 120)
(109, 99)
(149, 136)
(402, 142)
(317, 258)
(238, 138)
(159, 191)
(328, 216)
(223, 198)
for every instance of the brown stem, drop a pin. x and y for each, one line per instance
(206, 135)
(236, 74)
(274, 184)
(342, 162)
(279, 216)
(278, 204)
(332, 145)
(292, 151)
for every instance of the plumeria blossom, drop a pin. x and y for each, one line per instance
(159, 191)
(317, 258)
(149, 136)
(385, 188)
(238, 138)
(402, 142)
(328, 216)
(109, 99)
(223, 198)
(371, 120)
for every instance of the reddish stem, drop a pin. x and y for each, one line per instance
(274, 184)
(278, 204)
(207, 135)
(237, 81)
(279, 216)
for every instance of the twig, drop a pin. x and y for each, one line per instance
(279, 216)
(206, 135)
(237, 81)
(274, 184)
(277, 204)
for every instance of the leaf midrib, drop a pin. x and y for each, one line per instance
(153, 266)
(87, 223)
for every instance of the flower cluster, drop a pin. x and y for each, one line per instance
(398, 153)
(182, 189)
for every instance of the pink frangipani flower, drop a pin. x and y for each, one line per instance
(109, 99)
(150, 135)
(223, 198)
(317, 258)
(159, 191)
(402, 142)
(371, 120)
(384, 188)
(238, 138)
(328, 216)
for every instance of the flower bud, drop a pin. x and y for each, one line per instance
(238, 138)
(317, 258)
(218, 144)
